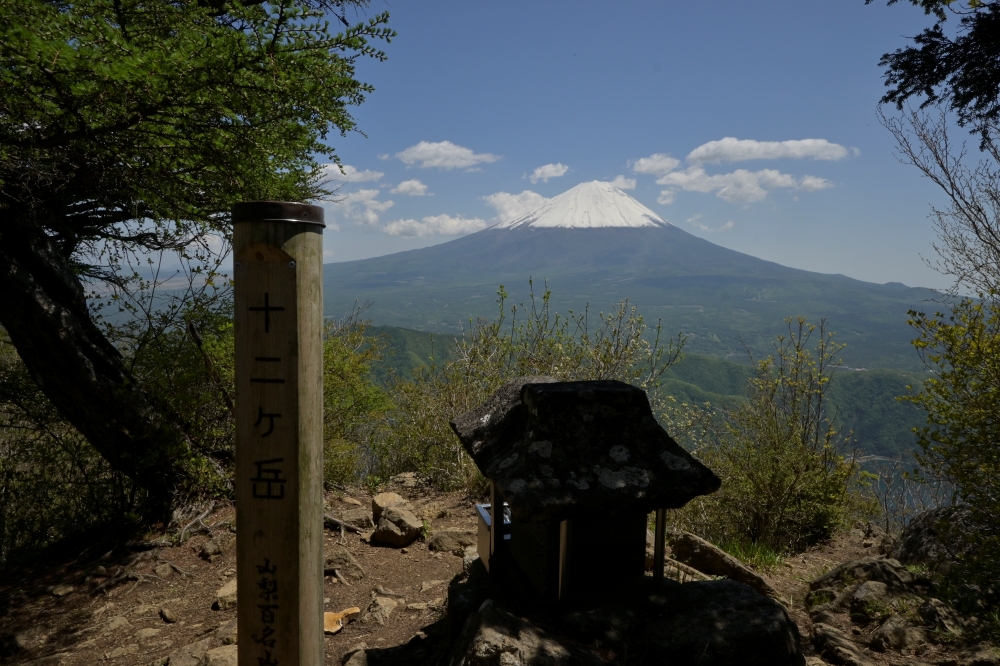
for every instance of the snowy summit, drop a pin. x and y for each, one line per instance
(589, 206)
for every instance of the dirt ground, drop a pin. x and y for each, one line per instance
(123, 625)
(42, 622)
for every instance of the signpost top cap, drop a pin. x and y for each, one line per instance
(277, 211)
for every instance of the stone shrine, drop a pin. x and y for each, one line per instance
(578, 467)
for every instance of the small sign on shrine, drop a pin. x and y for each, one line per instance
(278, 280)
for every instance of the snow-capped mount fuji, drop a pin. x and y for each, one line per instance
(590, 205)
(595, 245)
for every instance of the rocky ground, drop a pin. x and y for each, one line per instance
(168, 600)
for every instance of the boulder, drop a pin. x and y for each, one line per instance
(712, 560)
(358, 516)
(896, 633)
(383, 501)
(718, 622)
(452, 541)
(870, 601)
(225, 597)
(221, 656)
(493, 636)
(342, 560)
(397, 528)
(939, 616)
(883, 570)
(935, 538)
(379, 610)
(837, 648)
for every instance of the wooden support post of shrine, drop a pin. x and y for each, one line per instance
(278, 280)
(660, 537)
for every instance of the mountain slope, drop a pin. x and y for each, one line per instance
(722, 299)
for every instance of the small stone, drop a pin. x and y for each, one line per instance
(378, 611)
(428, 584)
(62, 590)
(404, 551)
(469, 557)
(452, 541)
(167, 615)
(146, 633)
(117, 623)
(221, 656)
(418, 606)
(350, 500)
(144, 609)
(226, 633)
(122, 651)
(164, 570)
(225, 597)
(397, 528)
(359, 517)
(216, 546)
(100, 571)
(190, 655)
(340, 559)
(359, 647)
(383, 501)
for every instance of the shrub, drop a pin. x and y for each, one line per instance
(353, 403)
(959, 442)
(522, 341)
(786, 482)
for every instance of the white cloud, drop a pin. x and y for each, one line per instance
(509, 207)
(696, 222)
(731, 149)
(740, 186)
(656, 164)
(413, 188)
(623, 183)
(666, 197)
(350, 174)
(548, 171)
(443, 155)
(443, 225)
(362, 207)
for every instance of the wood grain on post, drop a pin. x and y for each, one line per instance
(278, 280)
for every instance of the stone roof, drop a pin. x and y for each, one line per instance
(563, 449)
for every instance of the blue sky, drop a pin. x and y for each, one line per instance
(477, 96)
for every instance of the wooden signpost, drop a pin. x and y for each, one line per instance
(278, 276)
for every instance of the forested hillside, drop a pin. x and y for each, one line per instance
(862, 401)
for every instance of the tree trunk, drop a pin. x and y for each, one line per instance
(43, 309)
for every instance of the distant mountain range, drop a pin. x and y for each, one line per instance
(596, 245)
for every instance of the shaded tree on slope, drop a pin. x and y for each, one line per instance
(130, 127)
